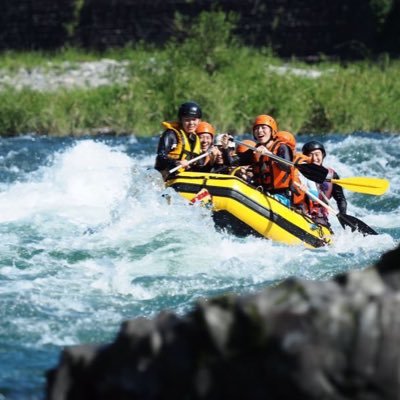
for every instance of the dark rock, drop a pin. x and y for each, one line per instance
(388, 268)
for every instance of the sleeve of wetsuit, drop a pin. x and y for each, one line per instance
(167, 141)
(338, 195)
(284, 152)
(236, 161)
(228, 159)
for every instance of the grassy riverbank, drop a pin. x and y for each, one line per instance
(233, 83)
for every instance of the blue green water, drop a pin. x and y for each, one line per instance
(88, 240)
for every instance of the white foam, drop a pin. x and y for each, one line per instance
(82, 185)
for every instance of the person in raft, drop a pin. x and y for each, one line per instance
(205, 131)
(272, 176)
(299, 198)
(220, 154)
(226, 156)
(325, 191)
(242, 159)
(179, 143)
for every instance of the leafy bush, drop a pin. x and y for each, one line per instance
(232, 83)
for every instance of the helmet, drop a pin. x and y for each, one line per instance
(313, 145)
(287, 138)
(189, 109)
(266, 120)
(242, 148)
(205, 127)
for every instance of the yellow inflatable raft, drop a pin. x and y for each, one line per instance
(236, 202)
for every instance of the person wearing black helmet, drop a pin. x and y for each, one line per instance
(315, 150)
(317, 153)
(179, 143)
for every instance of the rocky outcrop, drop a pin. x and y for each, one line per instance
(337, 339)
(301, 28)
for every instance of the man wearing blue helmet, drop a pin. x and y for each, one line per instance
(179, 143)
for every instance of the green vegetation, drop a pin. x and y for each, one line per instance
(72, 25)
(232, 82)
(380, 10)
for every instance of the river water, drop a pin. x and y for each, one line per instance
(88, 240)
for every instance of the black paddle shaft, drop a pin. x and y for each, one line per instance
(313, 172)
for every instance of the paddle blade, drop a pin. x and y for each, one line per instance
(355, 224)
(363, 184)
(314, 172)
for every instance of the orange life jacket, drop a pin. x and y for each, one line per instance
(299, 197)
(268, 173)
(288, 138)
(300, 158)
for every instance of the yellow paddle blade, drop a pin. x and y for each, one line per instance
(363, 184)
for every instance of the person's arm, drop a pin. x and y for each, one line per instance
(338, 195)
(202, 165)
(285, 153)
(166, 143)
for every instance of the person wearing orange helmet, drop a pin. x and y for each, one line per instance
(272, 176)
(299, 199)
(205, 131)
(219, 156)
(179, 143)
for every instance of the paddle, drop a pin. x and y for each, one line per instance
(348, 220)
(314, 172)
(191, 161)
(363, 184)
(318, 173)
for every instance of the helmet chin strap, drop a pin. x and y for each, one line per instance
(270, 139)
